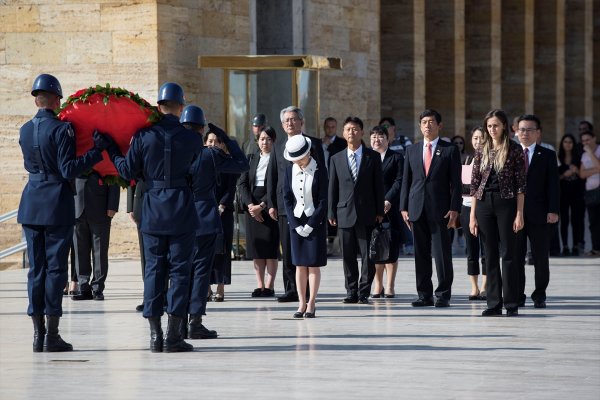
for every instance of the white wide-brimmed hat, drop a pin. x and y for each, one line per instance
(296, 148)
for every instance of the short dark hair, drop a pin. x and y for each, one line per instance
(590, 127)
(590, 133)
(329, 119)
(430, 112)
(530, 117)
(354, 120)
(389, 120)
(269, 131)
(379, 130)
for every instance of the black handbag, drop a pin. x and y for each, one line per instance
(592, 197)
(379, 246)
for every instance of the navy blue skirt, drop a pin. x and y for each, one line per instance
(309, 251)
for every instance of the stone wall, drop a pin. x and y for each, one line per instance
(82, 44)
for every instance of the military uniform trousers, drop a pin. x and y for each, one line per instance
(167, 256)
(48, 249)
(204, 256)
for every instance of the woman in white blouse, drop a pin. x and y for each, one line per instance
(262, 232)
(305, 196)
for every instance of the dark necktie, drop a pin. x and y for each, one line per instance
(526, 155)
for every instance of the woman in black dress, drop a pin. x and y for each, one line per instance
(572, 187)
(225, 193)
(305, 197)
(392, 165)
(262, 232)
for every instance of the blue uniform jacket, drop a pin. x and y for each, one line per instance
(165, 211)
(50, 202)
(204, 170)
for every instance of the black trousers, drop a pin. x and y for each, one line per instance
(353, 241)
(495, 217)
(594, 218)
(539, 237)
(289, 269)
(432, 236)
(474, 244)
(91, 240)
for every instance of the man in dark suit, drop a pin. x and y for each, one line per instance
(332, 144)
(356, 202)
(292, 121)
(541, 208)
(430, 201)
(96, 203)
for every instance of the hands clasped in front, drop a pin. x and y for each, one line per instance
(304, 231)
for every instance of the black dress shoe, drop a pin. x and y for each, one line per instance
(256, 292)
(539, 304)
(139, 308)
(474, 296)
(512, 312)
(482, 296)
(85, 295)
(522, 302)
(98, 296)
(491, 312)
(287, 298)
(390, 296)
(311, 314)
(422, 303)
(440, 303)
(363, 300)
(351, 300)
(268, 293)
(376, 296)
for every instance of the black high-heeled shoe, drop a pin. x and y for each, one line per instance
(311, 314)
(300, 314)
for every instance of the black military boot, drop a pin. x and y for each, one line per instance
(198, 331)
(53, 342)
(174, 342)
(39, 331)
(156, 335)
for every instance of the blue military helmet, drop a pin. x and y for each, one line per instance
(171, 91)
(193, 115)
(46, 83)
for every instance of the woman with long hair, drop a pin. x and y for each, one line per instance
(498, 189)
(572, 187)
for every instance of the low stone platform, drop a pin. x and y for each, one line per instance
(384, 350)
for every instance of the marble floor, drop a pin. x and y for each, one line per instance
(384, 350)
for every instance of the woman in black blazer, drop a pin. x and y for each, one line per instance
(305, 198)
(262, 232)
(224, 193)
(392, 164)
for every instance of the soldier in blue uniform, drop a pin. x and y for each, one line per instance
(47, 208)
(162, 155)
(205, 174)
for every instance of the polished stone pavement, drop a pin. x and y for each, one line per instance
(385, 350)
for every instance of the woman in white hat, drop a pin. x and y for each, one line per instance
(305, 195)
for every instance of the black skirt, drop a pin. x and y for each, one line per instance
(262, 238)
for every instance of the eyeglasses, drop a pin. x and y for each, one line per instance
(527, 130)
(291, 120)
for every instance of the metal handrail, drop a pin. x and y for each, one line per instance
(9, 215)
(22, 246)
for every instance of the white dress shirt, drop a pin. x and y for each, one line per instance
(302, 181)
(261, 169)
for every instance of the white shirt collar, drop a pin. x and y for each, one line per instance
(357, 153)
(310, 169)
